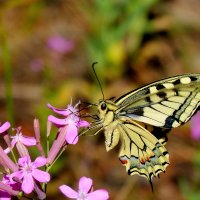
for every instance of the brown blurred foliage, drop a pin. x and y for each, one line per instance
(170, 45)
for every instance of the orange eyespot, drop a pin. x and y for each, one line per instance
(142, 160)
(147, 158)
(124, 162)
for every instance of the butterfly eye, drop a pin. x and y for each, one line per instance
(103, 106)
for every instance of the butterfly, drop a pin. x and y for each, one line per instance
(140, 120)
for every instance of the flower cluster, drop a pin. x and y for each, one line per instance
(22, 176)
(25, 178)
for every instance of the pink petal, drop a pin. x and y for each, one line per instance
(85, 184)
(195, 126)
(21, 148)
(68, 192)
(18, 174)
(57, 144)
(64, 112)
(72, 109)
(72, 134)
(57, 121)
(98, 195)
(4, 127)
(28, 141)
(4, 195)
(28, 184)
(5, 161)
(13, 142)
(83, 123)
(41, 194)
(7, 188)
(39, 162)
(41, 176)
(8, 179)
(24, 160)
(7, 150)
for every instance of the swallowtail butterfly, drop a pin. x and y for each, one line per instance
(141, 118)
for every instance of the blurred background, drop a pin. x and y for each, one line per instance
(47, 48)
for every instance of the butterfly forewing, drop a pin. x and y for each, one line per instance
(167, 103)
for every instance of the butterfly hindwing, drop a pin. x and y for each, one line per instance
(140, 151)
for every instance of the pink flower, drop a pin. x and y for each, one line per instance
(4, 127)
(36, 126)
(6, 162)
(3, 131)
(4, 195)
(21, 141)
(68, 129)
(85, 191)
(8, 187)
(9, 181)
(37, 64)
(19, 138)
(60, 44)
(195, 126)
(28, 172)
(72, 121)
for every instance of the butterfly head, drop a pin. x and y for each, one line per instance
(102, 106)
(105, 106)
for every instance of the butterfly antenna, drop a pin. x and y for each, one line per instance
(93, 65)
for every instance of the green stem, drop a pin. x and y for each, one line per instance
(47, 146)
(44, 185)
(13, 155)
(21, 194)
